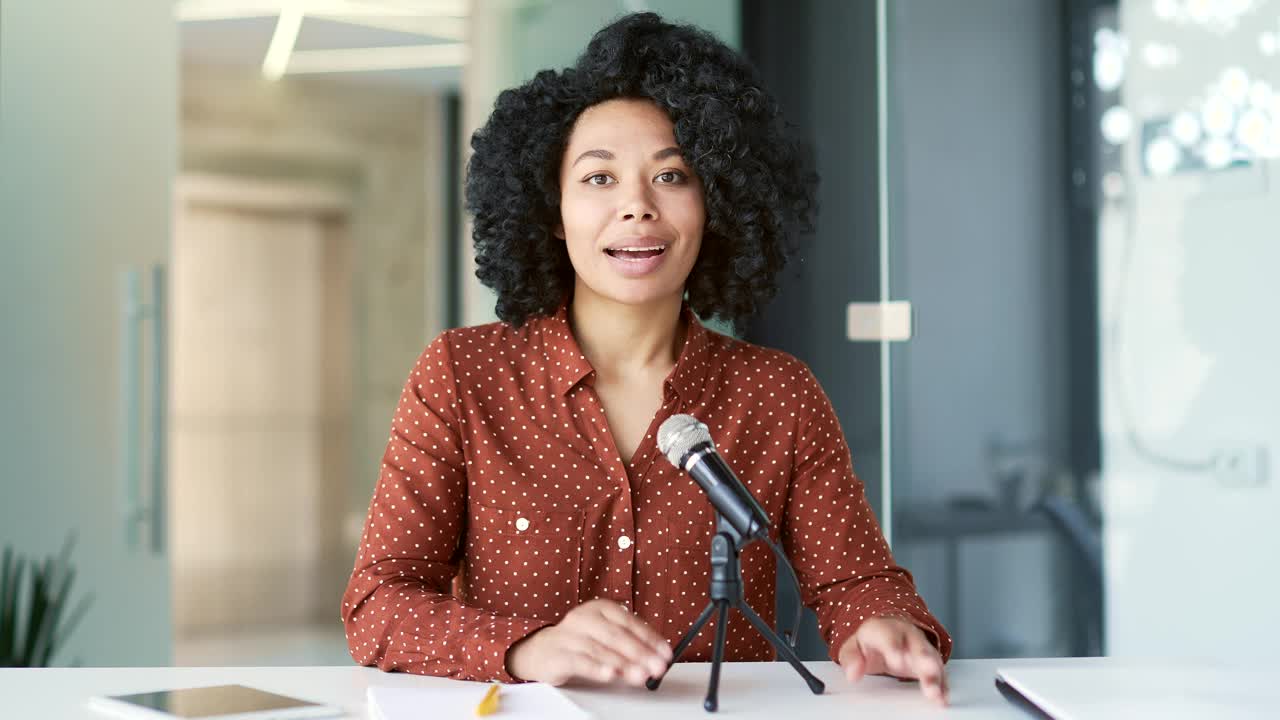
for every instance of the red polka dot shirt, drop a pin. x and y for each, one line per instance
(500, 462)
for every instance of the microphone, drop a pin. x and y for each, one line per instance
(687, 444)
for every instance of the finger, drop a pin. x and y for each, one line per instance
(583, 664)
(926, 665)
(620, 666)
(853, 660)
(634, 638)
(884, 644)
(888, 654)
(641, 629)
(638, 654)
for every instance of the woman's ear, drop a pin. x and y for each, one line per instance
(558, 230)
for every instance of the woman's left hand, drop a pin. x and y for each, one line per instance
(894, 646)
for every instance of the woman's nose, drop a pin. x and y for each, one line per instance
(639, 206)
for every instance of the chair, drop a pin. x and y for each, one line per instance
(1083, 535)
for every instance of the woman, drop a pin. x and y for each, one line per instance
(654, 170)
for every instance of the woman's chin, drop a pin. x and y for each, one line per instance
(642, 293)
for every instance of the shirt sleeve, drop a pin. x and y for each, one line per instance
(398, 610)
(847, 574)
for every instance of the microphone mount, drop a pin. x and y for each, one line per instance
(726, 593)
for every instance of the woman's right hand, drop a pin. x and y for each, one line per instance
(598, 640)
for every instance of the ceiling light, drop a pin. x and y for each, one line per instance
(1117, 125)
(1162, 156)
(282, 41)
(403, 57)
(1218, 115)
(1185, 128)
(1217, 153)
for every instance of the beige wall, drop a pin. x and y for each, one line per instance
(383, 148)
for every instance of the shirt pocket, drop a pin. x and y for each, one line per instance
(523, 562)
(686, 548)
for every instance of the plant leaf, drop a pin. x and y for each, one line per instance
(37, 609)
(72, 620)
(10, 643)
(6, 616)
(60, 586)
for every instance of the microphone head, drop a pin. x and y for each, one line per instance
(679, 434)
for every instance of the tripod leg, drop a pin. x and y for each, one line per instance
(685, 642)
(782, 647)
(717, 657)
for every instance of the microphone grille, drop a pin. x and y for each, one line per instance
(678, 434)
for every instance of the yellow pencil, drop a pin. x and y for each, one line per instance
(489, 705)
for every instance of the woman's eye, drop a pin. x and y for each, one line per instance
(670, 176)
(599, 179)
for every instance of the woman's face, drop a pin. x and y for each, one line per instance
(631, 210)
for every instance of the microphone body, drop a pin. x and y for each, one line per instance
(727, 493)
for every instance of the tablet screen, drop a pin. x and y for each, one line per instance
(212, 702)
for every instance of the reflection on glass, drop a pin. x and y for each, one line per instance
(1187, 253)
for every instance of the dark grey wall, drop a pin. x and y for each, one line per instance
(978, 244)
(977, 234)
(818, 59)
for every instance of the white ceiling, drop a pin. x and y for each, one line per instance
(244, 41)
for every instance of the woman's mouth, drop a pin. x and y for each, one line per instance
(636, 253)
(636, 261)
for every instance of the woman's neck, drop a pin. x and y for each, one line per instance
(621, 340)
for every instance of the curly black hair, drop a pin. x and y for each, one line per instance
(757, 187)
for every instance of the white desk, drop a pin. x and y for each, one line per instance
(747, 690)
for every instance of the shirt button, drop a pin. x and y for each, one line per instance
(522, 524)
(624, 542)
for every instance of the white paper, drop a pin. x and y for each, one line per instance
(529, 701)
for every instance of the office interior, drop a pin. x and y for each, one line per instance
(229, 228)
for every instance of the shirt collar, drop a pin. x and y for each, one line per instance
(570, 366)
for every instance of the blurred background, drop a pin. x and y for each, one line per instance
(1037, 295)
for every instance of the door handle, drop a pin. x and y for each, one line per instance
(879, 321)
(137, 510)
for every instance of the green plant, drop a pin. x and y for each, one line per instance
(31, 632)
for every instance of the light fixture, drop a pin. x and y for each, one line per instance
(1217, 153)
(201, 10)
(402, 57)
(1162, 156)
(1117, 125)
(1218, 115)
(283, 41)
(439, 19)
(1253, 131)
(1185, 128)
(1235, 84)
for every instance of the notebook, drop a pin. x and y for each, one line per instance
(530, 701)
(1126, 690)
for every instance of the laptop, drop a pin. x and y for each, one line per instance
(1125, 690)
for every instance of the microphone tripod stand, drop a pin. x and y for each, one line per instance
(726, 593)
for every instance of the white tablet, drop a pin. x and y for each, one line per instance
(220, 702)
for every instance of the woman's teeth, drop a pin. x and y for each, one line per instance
(636, 253)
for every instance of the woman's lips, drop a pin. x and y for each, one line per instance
(636, 264)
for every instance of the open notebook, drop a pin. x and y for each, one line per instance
(1122, 691)
(530, 701)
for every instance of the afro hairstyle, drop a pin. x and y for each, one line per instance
(758, 190)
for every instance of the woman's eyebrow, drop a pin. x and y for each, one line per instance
(602, 154)
(662, 154)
